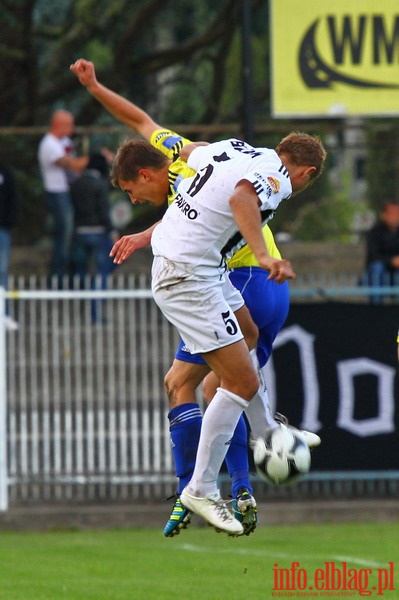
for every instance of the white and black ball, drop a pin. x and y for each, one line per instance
(281, 456)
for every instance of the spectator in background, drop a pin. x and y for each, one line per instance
(9, 208)
(57, 161)
(382, 246)
(94, 235)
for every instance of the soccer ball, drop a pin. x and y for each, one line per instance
(281, 456)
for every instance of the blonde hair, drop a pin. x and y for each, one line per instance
(304, 150)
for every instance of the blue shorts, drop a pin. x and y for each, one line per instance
(268, 303)
(182, 353)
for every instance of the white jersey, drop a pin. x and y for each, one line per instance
(51, 149)
(198, 230)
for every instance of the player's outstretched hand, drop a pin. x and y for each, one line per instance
(279, 270)
(128, 244)
(84, 71)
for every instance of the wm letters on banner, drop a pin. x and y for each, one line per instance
(334, 371)
(334, 59)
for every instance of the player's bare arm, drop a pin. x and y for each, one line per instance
(244, 204)
(123, 110)
(128, 244)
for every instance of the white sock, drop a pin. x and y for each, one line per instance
(218, 425)
(258, 412)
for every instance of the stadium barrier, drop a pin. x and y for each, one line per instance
(82, 404)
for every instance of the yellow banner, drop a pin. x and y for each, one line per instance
(334, 58)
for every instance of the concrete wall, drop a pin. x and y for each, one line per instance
(307, 257)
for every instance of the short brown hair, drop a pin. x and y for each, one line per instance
(304, 150)
(132, 156)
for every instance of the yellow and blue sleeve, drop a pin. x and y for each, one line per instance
(170, 143)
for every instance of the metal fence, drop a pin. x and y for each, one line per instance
(82, 403)
(351, 287)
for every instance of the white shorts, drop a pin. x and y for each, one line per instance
(201, 309)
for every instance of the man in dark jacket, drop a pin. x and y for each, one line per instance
(382, 243)
(9, 207)
(94, 234)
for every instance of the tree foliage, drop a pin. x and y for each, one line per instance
(131, 43)
(180, 61)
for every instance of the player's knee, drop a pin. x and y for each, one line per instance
(170, 387)
(180, 387)
(251, 386)
(245, 385)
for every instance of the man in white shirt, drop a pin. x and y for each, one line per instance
(236, 188)
(57, 161)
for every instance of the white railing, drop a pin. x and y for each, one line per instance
(350, 287)
(83, 402)
(3, 407)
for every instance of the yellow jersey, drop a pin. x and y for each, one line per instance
(170, 144)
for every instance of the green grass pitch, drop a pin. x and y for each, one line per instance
(140, 564)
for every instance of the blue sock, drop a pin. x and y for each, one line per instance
(237, 458)
(185, 427)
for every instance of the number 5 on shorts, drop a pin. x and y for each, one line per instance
(231, 326)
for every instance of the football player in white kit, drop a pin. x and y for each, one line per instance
(268, 303)
(235, 189)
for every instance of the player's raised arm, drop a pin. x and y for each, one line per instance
(123, 110)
